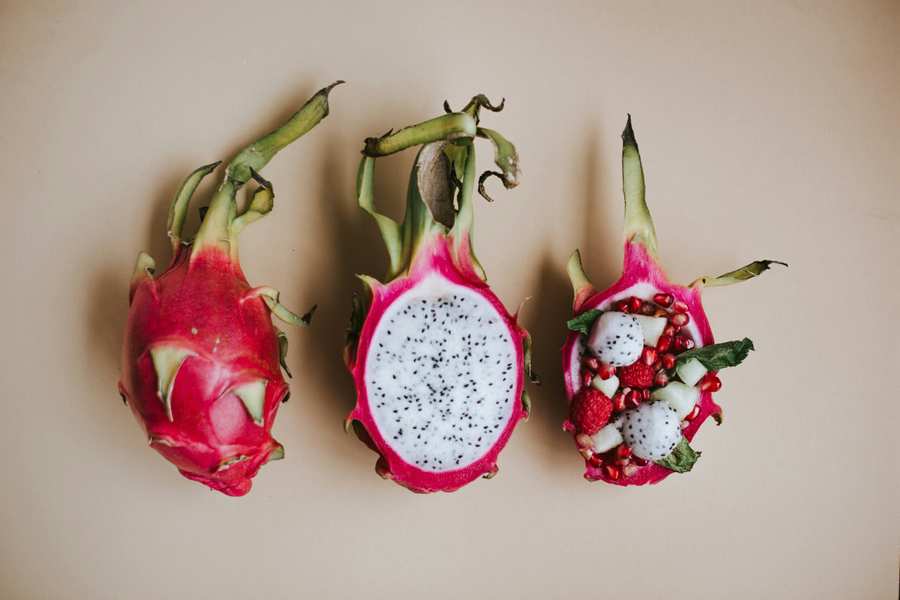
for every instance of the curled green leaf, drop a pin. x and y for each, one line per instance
(682, 458)
(582, 323)
(719, 356)
(744, 273)
(452, 126)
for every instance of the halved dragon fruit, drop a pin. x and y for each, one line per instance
(646, 344)
(438, 362)
(201, 362)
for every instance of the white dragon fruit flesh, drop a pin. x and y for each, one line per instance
(680, 396)
(652, 328)
(607, 438)
(652, 430)
(616, 338)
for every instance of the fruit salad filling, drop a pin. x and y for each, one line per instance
(641, 371)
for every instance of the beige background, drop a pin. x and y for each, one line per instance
(767, 129)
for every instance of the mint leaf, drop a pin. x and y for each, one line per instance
(682, 458)
(718, 356)
(582, 323)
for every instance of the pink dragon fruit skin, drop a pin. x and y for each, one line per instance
(428, 254)
(201, 358)
(643, 277)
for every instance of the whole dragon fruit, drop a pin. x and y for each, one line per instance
(201, 362)
(645, 345)
(438, 362)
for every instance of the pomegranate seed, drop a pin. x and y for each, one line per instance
(679, 306)
(622, 306)
(611, 472)
(660, 379)
(710, 383)
(639, 461)
(586, 453)
(693, 414)
(679, 319)
(623, 451)
(634, 398)
(591, 363)
(682, 343)
(664, 300)
(668, 360)
(621, 462)
(629, 470)
(596, 461)
(586, 378)
(669, 330)
(618, 402)
(664, 343)
(635, 304)
(645, 394)
(605, 371)
(584, 441)
(648, 355)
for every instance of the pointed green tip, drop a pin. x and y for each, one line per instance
(327, 89)
(277, 453)
(628, 134)
(253, 395)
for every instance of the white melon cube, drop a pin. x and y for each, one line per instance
(607, 386)
(691, 371)
(607, 438)
(652, 328)
(680, 396)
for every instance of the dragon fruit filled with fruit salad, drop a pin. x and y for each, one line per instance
(640, 364)
(201, 363)
(438, 362)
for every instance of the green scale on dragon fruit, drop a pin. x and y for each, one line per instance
(645, 346)
(202, 361)
(438, 362)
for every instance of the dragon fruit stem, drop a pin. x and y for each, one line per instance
(638, 222)
(214, 230)
(178, 208)
(258, 154)
(453, 126)
(444, 166)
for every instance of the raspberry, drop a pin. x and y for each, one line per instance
(636, 375)
(590, 411)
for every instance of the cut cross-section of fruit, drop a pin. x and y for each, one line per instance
(439, 363)
(655, 337)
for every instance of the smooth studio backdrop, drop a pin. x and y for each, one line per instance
(768, 130)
